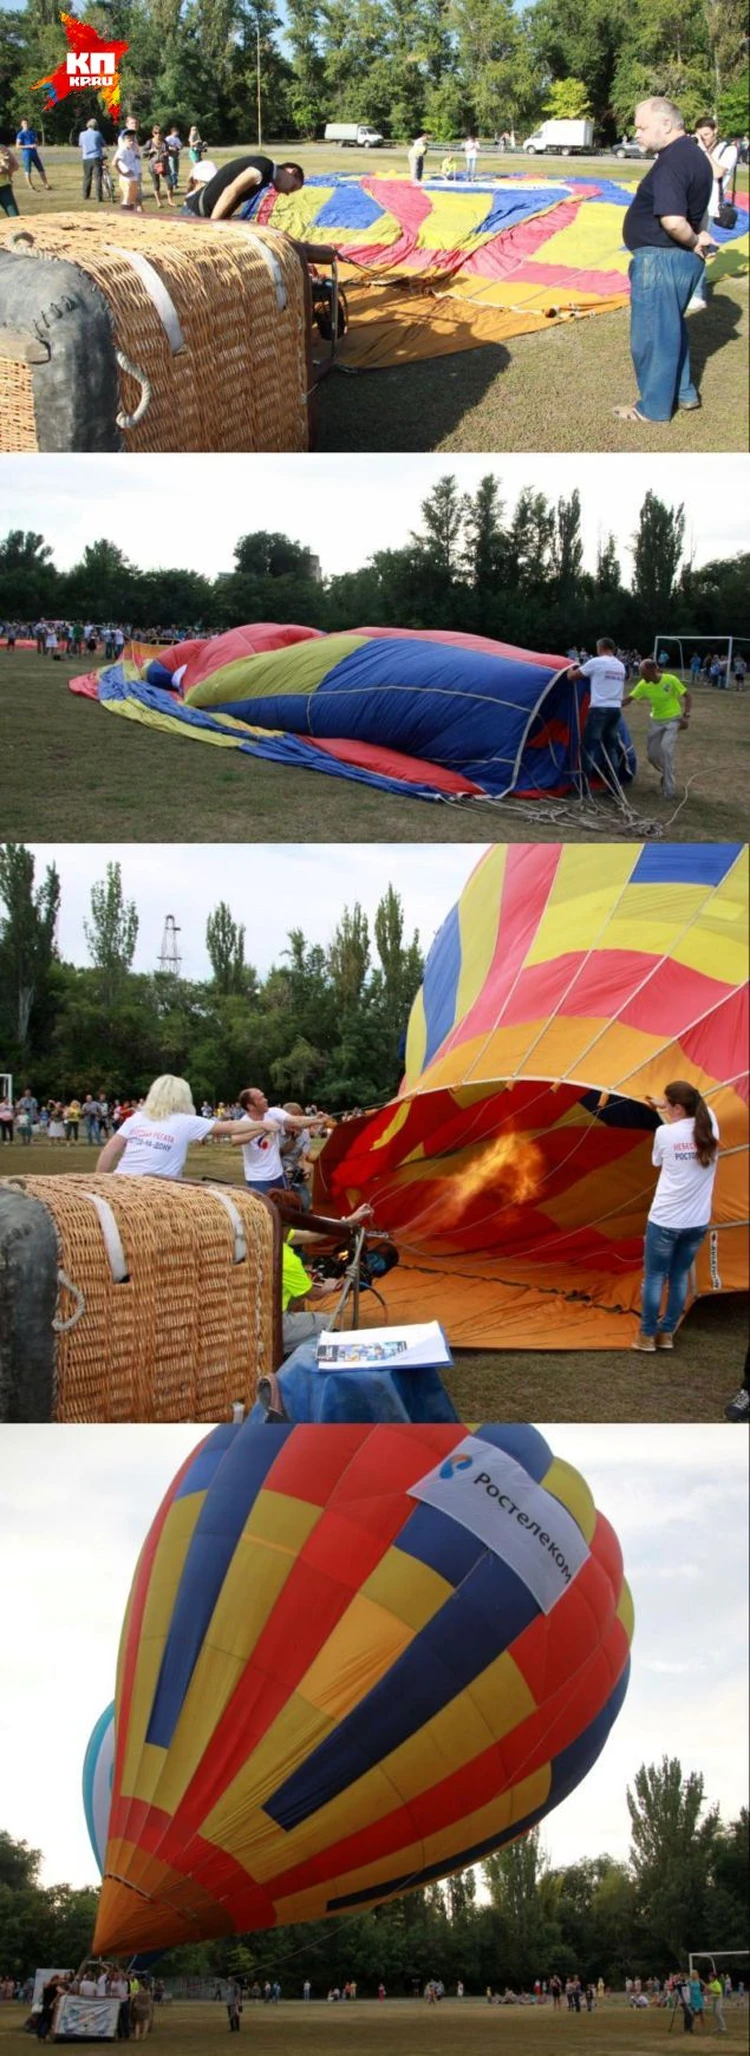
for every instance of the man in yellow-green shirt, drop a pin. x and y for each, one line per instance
(669, 710)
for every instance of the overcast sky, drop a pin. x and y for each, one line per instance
(76, 1502)
(270, 890)
(188, 511)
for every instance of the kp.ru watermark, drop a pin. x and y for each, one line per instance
(92, 64)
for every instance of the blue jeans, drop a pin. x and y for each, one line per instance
(661, 284)
(669, 1254)
(601, 734)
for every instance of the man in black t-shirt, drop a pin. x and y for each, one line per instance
(662, 230)
(217, 198)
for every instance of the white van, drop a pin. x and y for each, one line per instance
(560, 138)
(356, 135)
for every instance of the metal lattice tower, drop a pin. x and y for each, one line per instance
(170, 958)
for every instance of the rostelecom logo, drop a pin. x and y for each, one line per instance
(92, 65)
(455, 1463)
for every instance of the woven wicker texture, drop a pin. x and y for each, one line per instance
(242, 381)
(17, 415)
(191, 1330)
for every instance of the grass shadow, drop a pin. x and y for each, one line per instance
(379, 410)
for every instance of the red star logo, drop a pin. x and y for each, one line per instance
(85, 42)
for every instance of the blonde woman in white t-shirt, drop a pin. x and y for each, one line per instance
(154, 1142)
(686, 1147)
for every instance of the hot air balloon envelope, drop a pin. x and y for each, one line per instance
(354, 1659)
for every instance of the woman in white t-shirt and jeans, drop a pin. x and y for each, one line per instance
(686, 1149)
(154, 1142)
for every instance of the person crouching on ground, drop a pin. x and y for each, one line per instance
(685, 1152)
(154, 1142)
(669, 710)
(218, 197)
(662, 230)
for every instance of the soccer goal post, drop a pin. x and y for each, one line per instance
(714, 1956)
(724, 646)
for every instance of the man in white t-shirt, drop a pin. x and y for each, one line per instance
(686, 1155)
(722, 158)
(601, 748)
(264, 1170)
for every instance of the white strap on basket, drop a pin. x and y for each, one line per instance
(160, 298)
(112, 1239)
(273, 267)
(240, 1244)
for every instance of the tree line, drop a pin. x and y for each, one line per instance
(473, 562)
(446, 65)
(325, 1025)
(685, 1882)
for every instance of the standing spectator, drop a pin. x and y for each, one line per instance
(471, 153)
(695, 667)
(662, 230)
(91, 146)
(157, 158)
(90, 1112)
(417, 155)
(6, 1119)
(50, 641)
(128, 165)
(234, 2008)
(8, 168)
(722, 158)
(26, 1113)
(174, 148)
(739, 668)
(72, 1118)
(26, 142)
(120, 1990)
(196, 145)
(697, 2000)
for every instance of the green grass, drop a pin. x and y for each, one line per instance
(550, 391)
(408, 2027)
(73, 773)
(694, 1384)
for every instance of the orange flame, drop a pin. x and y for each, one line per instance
(511, 1167)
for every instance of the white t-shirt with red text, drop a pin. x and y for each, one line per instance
(262, 1156)
(685, 1190)
(157, 1149)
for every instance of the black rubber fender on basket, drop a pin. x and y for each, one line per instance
(28, 1301)
(54, 319)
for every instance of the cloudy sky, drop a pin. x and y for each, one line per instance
(270, 890)
(75, 1504)
(181, 510)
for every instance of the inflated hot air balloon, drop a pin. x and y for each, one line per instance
(427, 712)
(354, 1659)
(566, 988)
(98, 1765)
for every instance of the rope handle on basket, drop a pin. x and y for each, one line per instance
(240, 1243)
(19, 237)
(66, 1284)
(130, 420)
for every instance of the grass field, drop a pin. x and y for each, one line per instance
(410, 2028)
(550, 391)
(694, 1384)
(73, 773)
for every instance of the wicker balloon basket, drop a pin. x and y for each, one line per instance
(121, 332)
(135, 1299)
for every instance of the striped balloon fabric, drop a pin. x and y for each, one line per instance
(448, 264)
(431, 712)
(353, 1660)
(566, 989)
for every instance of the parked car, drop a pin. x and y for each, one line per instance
(630, 149)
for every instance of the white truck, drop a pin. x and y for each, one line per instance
(353, 134)
(560, 139)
